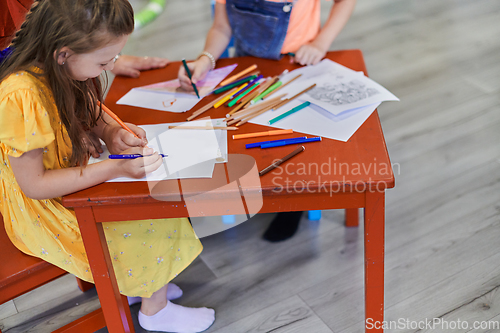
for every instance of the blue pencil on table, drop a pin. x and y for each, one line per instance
(129, 156)
(189, 75)
(258, 144)
(286, 143)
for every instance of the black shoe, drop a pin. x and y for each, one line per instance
(282, 227)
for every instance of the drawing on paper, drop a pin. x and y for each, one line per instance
(342, 93)
(169, 102)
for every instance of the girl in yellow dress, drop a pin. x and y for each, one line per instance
(49, 122)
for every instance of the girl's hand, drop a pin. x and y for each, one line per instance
(199, 70)
(309, 54)
(93, 144)
(139, 167)
(118, 139)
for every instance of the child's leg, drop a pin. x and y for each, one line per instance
(158, 314)
(173, 292)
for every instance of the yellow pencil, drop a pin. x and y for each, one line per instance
(228, 96)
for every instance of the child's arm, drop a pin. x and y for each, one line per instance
(313, 52)
(218, 38)
(38, 183)
(128, 65)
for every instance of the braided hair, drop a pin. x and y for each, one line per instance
(82, 26)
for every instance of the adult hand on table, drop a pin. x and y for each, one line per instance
(128, 65)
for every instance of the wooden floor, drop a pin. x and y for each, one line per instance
(442, 59)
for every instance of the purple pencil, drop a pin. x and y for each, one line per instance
(247, 87)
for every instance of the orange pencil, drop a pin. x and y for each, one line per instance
(236, 76)
(118, 120)
(259, 134)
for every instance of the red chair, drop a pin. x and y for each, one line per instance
(20, 273)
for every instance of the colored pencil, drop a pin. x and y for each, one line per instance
(243, 93)
(204, 127)
(225, 99)
(268, 91)
(234, 84)
(258, 144)
(287, 100)
(257, 113)
(245, 100)
(118, 120)
(236, 76)
(259, 134)
(286, 143)
(130, 156)
(189, 75)
(263, 90)
(292, 111)
(209, 105)
(282, 86)
(281, 161)
(250, 84)
(255, 108)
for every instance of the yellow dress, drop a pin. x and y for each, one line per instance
(146, 254)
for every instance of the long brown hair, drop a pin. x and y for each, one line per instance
(83, 26)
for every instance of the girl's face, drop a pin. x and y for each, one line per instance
(84, 66)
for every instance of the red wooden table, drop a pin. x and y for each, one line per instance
(340, 175)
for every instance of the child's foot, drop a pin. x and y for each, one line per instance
(173, 292)
(179, 319)
(282, 227)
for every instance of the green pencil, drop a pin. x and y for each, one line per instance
(189, 74)
(234, 101)
(266, 92)
(234, 84)
(286, 114)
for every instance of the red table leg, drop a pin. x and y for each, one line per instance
(374, 260)
(351, 217)
(114, 305)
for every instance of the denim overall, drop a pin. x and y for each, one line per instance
(4, 54)
(259, 27)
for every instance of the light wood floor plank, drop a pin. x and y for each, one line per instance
(291, 316)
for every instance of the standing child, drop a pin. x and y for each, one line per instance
(270, 29)
(49, 121)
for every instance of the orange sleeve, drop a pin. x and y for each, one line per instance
(304, 24)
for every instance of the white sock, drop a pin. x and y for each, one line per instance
(173, 292)
(178, 319)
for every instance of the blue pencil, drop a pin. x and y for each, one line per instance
(286, 143)
(189, 74)
(130, 156)
(258, 144)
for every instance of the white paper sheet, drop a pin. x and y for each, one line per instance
(316, 121)
(167, 96)
(191, 153)
(338, 88)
